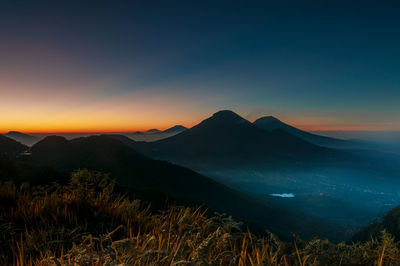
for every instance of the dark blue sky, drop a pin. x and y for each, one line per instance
(317, 64)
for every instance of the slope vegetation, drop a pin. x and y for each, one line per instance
(133, 169)
(87, 222)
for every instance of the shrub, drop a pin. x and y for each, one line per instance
(87, 223)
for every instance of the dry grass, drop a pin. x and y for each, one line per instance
(87, 223)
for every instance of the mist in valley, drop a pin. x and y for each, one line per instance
(350, 197)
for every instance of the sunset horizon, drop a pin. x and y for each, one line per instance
(63, 74)
(163, 126)
(188, 132)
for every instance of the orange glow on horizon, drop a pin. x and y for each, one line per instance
(33, 104)
(77, 128)
(339, 128)
(94, 131)
(82, 129)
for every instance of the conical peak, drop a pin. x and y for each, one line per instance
(265, 119)
(226, 114)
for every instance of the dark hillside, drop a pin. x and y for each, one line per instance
(226, 140)
(10, 146)
(389, 222)
(133, 169)
(88, 221)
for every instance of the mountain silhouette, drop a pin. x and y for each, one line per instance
(155, 134)
(270, 123)
(153, 131)
(227, 138)
(51, 144)
(22, 137)
(175, 129)
(131, 168)
(172, 130)
(11, 147)
(389, 222)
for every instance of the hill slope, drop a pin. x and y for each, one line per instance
(389, 222)
(226, 139)
(10, 146)
(22, 138)
(90, 221)
(175, 129)
(134, 169)
(270, 123)
(155, 134)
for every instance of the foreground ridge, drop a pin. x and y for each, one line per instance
(90, 222)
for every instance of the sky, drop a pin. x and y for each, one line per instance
(93, 66)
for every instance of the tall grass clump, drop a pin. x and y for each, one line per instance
(86, 222)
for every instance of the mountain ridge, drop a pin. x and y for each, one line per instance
(175, 129)
(23, 138)
(111, 156)
(10, 146)
(227, 137)
(270, 123)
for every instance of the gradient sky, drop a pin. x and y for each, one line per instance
(125, 65)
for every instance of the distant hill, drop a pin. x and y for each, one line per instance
(22, 137)
(11, 147)
(124, 139)
(131, 168)
(389, 222)
(172, 130)
(175, 129)
(227, 138)
(270, 123)
(155, 134)
(153, 131)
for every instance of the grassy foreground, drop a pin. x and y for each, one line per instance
(87, 222)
